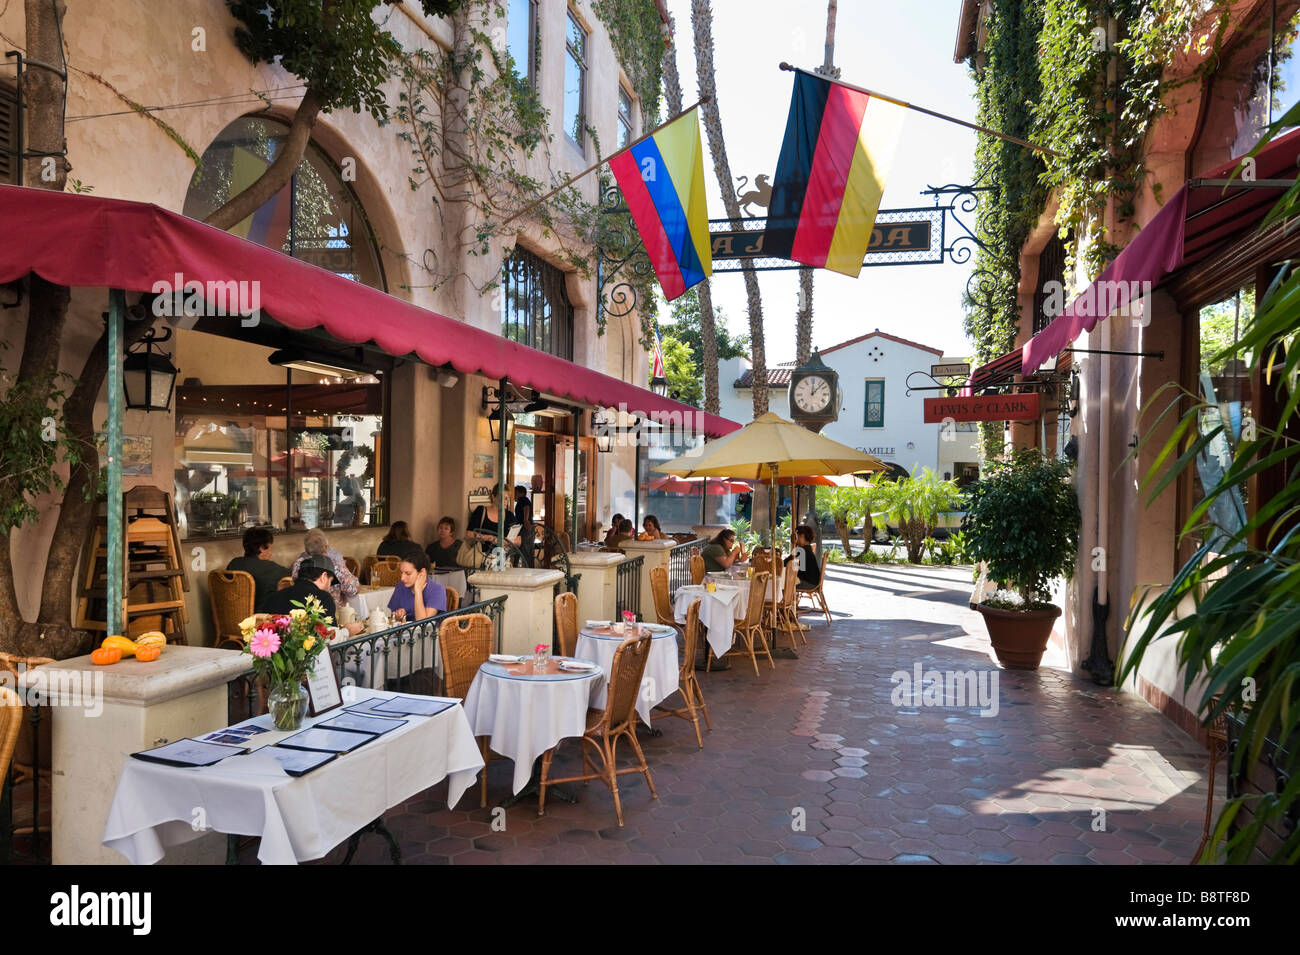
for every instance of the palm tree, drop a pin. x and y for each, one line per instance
(708, 337)
(702, 28)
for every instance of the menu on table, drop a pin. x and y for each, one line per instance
(190, 752)
(362, 723)
(402, 706)
(327, 741)
(298, 762)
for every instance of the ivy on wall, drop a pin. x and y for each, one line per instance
(1085, 78)
(636, 32)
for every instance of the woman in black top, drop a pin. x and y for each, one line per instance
(483, 523)
(442, 552)
(810, 572)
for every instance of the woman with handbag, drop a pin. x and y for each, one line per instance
(483, 527)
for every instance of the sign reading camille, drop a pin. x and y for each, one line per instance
(982, 408)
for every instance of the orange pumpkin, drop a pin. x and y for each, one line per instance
(148, 654)
(103, 656)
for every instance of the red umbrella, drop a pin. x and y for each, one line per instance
(672, 484)
(847, 480)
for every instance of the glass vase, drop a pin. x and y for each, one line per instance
(287, 704)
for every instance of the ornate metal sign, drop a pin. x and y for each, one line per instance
(982, 408)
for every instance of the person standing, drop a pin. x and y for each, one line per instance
(257, 561)
(484, 523)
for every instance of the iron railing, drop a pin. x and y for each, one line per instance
(627, 586)
(679, 564)
(402, 658)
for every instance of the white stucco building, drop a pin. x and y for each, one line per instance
(877, 415)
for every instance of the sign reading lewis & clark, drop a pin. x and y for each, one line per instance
(983, 408)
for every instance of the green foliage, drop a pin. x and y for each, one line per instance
(336, 48)
(682, 372)
(848, 507)
(35, 441)
(913, 504)
(1022, 520)
(636, 33)
(1242, 643)
(687, 327)
(745, 533)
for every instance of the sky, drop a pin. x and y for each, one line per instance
(902, 48)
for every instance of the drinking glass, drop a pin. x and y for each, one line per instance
(540, 658)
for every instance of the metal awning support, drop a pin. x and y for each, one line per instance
(1158, 355)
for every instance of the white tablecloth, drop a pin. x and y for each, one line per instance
(742, 605)
(455, 579)
(718, 611)
(298, 818)
(661, 669)
(525, 715)
(367, 600)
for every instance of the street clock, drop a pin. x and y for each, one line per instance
(814, 394)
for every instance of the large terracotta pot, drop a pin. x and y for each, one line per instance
(1019, 637)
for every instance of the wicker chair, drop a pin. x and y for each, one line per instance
(687, 685)
(353, 567)
(605, 727)
(230, 594)
(389, 570)
(284, 583)
(750, 629)
(466, 643)
(32, 753)
(783, 615)
(453, 598)
(566, 623)
(11, 723)
(697, 569)
(761, 560)
(663, 603)
(816, 596)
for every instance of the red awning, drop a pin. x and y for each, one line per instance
(1194, 224)
(88, 241)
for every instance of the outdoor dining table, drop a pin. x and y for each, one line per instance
(719, 612)
(661, 669)
(524, 713)
(298, 818)
(368, 598)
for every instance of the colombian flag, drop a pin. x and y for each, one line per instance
(662, 178)
(838, 147)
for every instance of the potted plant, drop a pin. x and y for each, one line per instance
(1023, 524)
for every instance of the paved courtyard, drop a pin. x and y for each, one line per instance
(814, 762)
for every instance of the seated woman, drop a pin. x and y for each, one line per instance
(810, 573)
(484, 523)
(614, 523)
(442, 552)
(397, 543)
(623, 532)
(417, 597)
(722, 552)
(316, 544)
(651, 530)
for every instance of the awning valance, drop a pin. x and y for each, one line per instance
(1192, 226)
(89, 241)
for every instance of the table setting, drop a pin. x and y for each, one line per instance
(302, 794)
(598, 641)
(720, 608)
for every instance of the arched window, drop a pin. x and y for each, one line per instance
(535, 306)
(315, 217)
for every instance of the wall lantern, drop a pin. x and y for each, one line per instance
(494, 427)
(659, 386)
(602, 430)
(148, 376)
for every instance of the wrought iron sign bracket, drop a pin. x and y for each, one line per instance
(1158, 355)
(934, 385)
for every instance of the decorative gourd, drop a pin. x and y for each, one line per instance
(148, 654)
(103, 656)
(153, 638)
(125, 644)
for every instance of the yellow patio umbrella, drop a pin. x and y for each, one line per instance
(771, 448)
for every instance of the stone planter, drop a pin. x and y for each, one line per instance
(1019, 637)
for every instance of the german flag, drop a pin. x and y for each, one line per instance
(838, 146)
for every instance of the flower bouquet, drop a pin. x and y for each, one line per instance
(284, 649)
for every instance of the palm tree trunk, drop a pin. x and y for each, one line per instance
(803, 318)
(702, 28)
(708, 330)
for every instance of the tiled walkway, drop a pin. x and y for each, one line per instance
(814, 762)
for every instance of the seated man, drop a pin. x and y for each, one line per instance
(315, 575)
(257, 561)
(810, 572)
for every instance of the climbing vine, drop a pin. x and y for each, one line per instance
(636, 32)
(1085, 78)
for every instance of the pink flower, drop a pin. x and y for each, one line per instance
(264, 643)
(541, 648)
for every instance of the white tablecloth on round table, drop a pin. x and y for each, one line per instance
(718, 611)
(298, 818)
(742, 605)
(367, 600)
(661, 669)
(455, 579)
(524, 715)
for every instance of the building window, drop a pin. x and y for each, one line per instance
(521, 39)
(535, 307)
(1049, 297)
(315, 217)
(575, 82)
(873, 415)
(624, 116)
(9, 145)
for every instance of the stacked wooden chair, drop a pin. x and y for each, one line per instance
(606, 727)
(466, 643)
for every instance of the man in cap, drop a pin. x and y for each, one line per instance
(315, 575)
